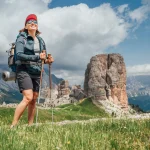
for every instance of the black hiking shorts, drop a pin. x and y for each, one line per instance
(27, 81)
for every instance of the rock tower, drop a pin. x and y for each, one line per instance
(105, 79)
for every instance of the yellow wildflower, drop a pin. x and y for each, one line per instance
(68, 142)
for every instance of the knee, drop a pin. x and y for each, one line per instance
(33, 102)
(28, 98)
(35, 96)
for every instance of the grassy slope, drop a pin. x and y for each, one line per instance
(102, 135)
(80, 111)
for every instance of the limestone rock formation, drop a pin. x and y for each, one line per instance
(63, 88)
(58, 95)
(77, 92)
(54, 101)
(105, 79)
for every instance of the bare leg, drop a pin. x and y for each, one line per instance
(31, 108)
(27, 97)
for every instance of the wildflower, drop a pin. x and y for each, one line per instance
(68, 142)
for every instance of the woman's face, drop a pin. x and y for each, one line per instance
(31, 25)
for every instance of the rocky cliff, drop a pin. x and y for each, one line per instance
(105, 79)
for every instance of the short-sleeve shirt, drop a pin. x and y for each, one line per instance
(36, 46)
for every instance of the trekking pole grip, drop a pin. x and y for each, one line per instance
(49, 55)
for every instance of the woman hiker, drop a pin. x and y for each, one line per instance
(29, 47)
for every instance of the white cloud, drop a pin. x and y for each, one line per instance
(140, 14)
(146, 2)
(139, 69)
(136, 16)
(122, 8)
(76, 33)
(10, 1)
(47, 1)
(75, 78)
(72, 34)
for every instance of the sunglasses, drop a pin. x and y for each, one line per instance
(30, 21)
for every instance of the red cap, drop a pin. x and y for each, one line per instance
(31, 17)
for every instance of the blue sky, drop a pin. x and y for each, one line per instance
(94, 3)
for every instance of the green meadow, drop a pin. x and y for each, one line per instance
(108, 134)
(83, 110)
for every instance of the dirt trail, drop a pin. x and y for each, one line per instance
(133, 117)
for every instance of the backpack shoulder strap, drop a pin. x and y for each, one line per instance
(23, 35)
(42, 43)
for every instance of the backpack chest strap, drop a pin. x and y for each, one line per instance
(18, 62)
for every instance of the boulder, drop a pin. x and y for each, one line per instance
(77, 92)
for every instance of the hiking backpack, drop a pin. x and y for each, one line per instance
(12, 57)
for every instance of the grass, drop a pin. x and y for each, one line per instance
(102, 135)
(109, 134)
(80, 111)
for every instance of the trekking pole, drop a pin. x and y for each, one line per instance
(50, 85)
(40, 87)
(50, 80)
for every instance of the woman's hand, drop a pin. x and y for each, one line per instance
(49, 59)
(43, 55)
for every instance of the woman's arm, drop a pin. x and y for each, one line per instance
(20, 51)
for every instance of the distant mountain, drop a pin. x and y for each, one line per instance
(54, 78)
(138, 90)
(9, 91)
(138, 85)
